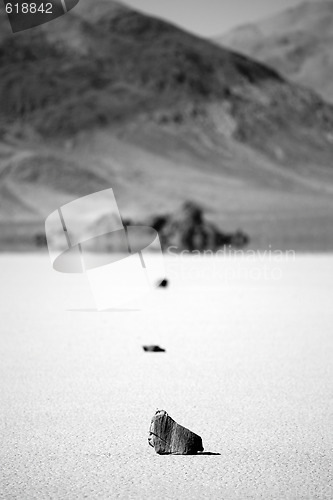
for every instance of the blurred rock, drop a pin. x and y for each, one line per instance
(163, 284)
(153, 348)
(170, 438)
(40, 240)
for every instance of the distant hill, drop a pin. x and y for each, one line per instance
(298, 43)
(108, 97)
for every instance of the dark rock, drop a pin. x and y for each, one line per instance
(153, 348)
(170, 438)
(163, 284)
(40, 240)
(159, 222)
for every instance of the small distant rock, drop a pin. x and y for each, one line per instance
(163, 284)
(153, 348)
(170, 438)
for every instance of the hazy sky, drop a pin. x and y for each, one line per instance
(211, 17)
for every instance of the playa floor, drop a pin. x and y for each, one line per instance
(248, 366)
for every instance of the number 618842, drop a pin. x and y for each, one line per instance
(28, 8)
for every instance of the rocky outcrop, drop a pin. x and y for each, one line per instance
(170, 438)
(187, 229)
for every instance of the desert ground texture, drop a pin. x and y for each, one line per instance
(248, 366)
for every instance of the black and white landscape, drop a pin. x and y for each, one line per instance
(229, 138)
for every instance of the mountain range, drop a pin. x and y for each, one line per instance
(297, 42)
(109, 97)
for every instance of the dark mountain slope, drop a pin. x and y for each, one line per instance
(138, 68)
